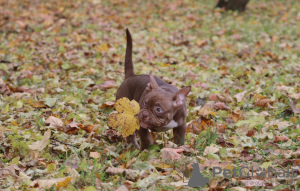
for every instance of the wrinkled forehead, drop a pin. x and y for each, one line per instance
(157, 96)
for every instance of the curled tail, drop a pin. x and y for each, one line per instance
(128, 56)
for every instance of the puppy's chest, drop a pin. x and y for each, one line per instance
(173, 124)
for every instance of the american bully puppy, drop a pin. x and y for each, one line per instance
(162, 105)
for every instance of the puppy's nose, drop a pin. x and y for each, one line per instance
(145, 115)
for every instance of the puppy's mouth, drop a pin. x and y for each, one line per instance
(144, 125)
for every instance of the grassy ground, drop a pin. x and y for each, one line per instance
(62, 61)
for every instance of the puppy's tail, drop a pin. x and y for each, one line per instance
(128, 56)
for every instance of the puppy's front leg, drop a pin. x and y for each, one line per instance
(179, 134)
(146, 138)
(132, 139)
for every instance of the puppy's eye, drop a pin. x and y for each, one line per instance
(158, 110)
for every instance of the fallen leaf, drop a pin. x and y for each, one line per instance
(221, 128)
(54, 121)
(113, 170)
(95, 155)
(262, 101)
(72, 128)
(41, 145)
(295, 96)
(88, 128)
(11, 170)
(213, 97)
(105, 85)
(199, 125)
(63, 183)
(282, 138)
(107, 104)
(101, 48)
(294, 107)
(50, 102)
(221, 106)
(207, 109)
(285, 89)
(122, 188)
(236, 115)
(170, 154)
(224, 98)
(36, 104)
(210, 149)
(46, 183)
(126, 118)
(205, 86)
(251, 133)
(239, 97)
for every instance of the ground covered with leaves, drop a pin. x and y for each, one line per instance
(62, 61)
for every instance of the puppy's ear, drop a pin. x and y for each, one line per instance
(152, 85)
(180, 96)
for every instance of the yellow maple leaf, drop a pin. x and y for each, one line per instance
(63, 183)
(101, 48)
(126, 117)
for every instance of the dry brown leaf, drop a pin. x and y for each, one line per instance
(199, 125)
(295, 96)
(47, 183)
(88, 128)
(239, 97)
(221, 106)
(36, 104)
(122, 188)
(41, 145)
(251, 133)
(294, 107)
(72, 128)
(213, 97)
(285, 89)
(210, 149)
(113, 170)
(224, 98)
(264, 103)
(54, 121)
(221, 128)
(170, 154)
(11, 170)
(105, 85)
(108, 104)
(95, 155)
(188, 149)
(278, 138)
(236, 115)
(207, 109)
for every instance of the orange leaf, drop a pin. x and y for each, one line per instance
(199, 125)
(14, 123)
(280, 139)
(36, 104)
(64, 183)
(221, 128)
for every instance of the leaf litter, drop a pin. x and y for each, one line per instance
(62, 61)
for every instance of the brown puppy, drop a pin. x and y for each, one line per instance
(162, 105)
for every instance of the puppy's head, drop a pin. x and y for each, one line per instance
(158, 106)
